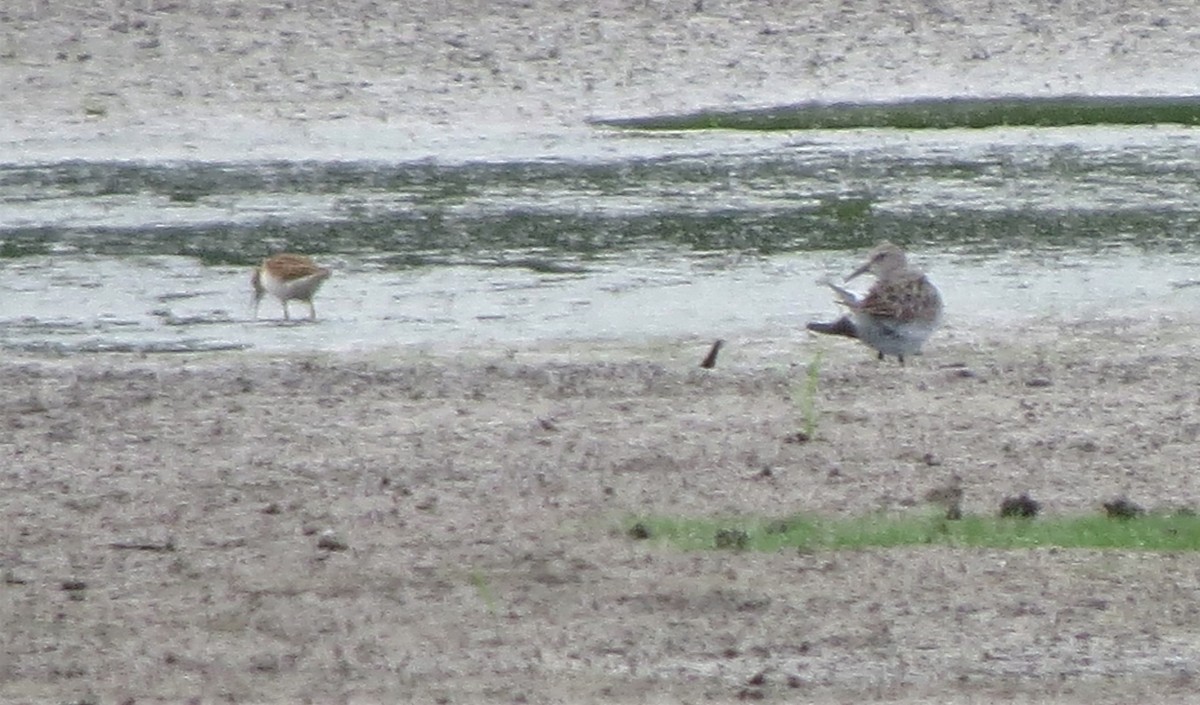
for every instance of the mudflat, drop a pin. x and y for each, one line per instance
(212, 79)
(450, 526)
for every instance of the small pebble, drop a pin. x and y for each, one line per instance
(1020, 506)
(1122, 508)
(639, 531)
(329, 541)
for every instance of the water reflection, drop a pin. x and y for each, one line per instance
(711, 237)
(179, 305)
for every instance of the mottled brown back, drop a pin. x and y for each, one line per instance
(289, 267)
(907, 297)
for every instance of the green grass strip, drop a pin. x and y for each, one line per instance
(935, 113)
(1152, 532)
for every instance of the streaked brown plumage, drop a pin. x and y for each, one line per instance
(899, 312)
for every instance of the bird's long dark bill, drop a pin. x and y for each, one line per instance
(857, 272)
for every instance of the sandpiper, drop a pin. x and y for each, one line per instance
(897, 315)
(288, 276)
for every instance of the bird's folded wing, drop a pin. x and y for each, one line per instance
(289, 267)
(913, 299)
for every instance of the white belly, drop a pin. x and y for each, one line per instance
(301, 289)
(892, 338)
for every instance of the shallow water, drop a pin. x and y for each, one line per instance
(605, 235)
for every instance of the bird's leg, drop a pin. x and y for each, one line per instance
(286, 316)
(312, 311)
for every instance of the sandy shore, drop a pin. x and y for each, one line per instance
(448, 528)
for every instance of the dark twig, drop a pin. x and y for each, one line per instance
(710, 360)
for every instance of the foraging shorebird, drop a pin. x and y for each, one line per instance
(897, 315)
(286, 277)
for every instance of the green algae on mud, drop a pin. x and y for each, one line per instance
(1179, 531)
(934, 113)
